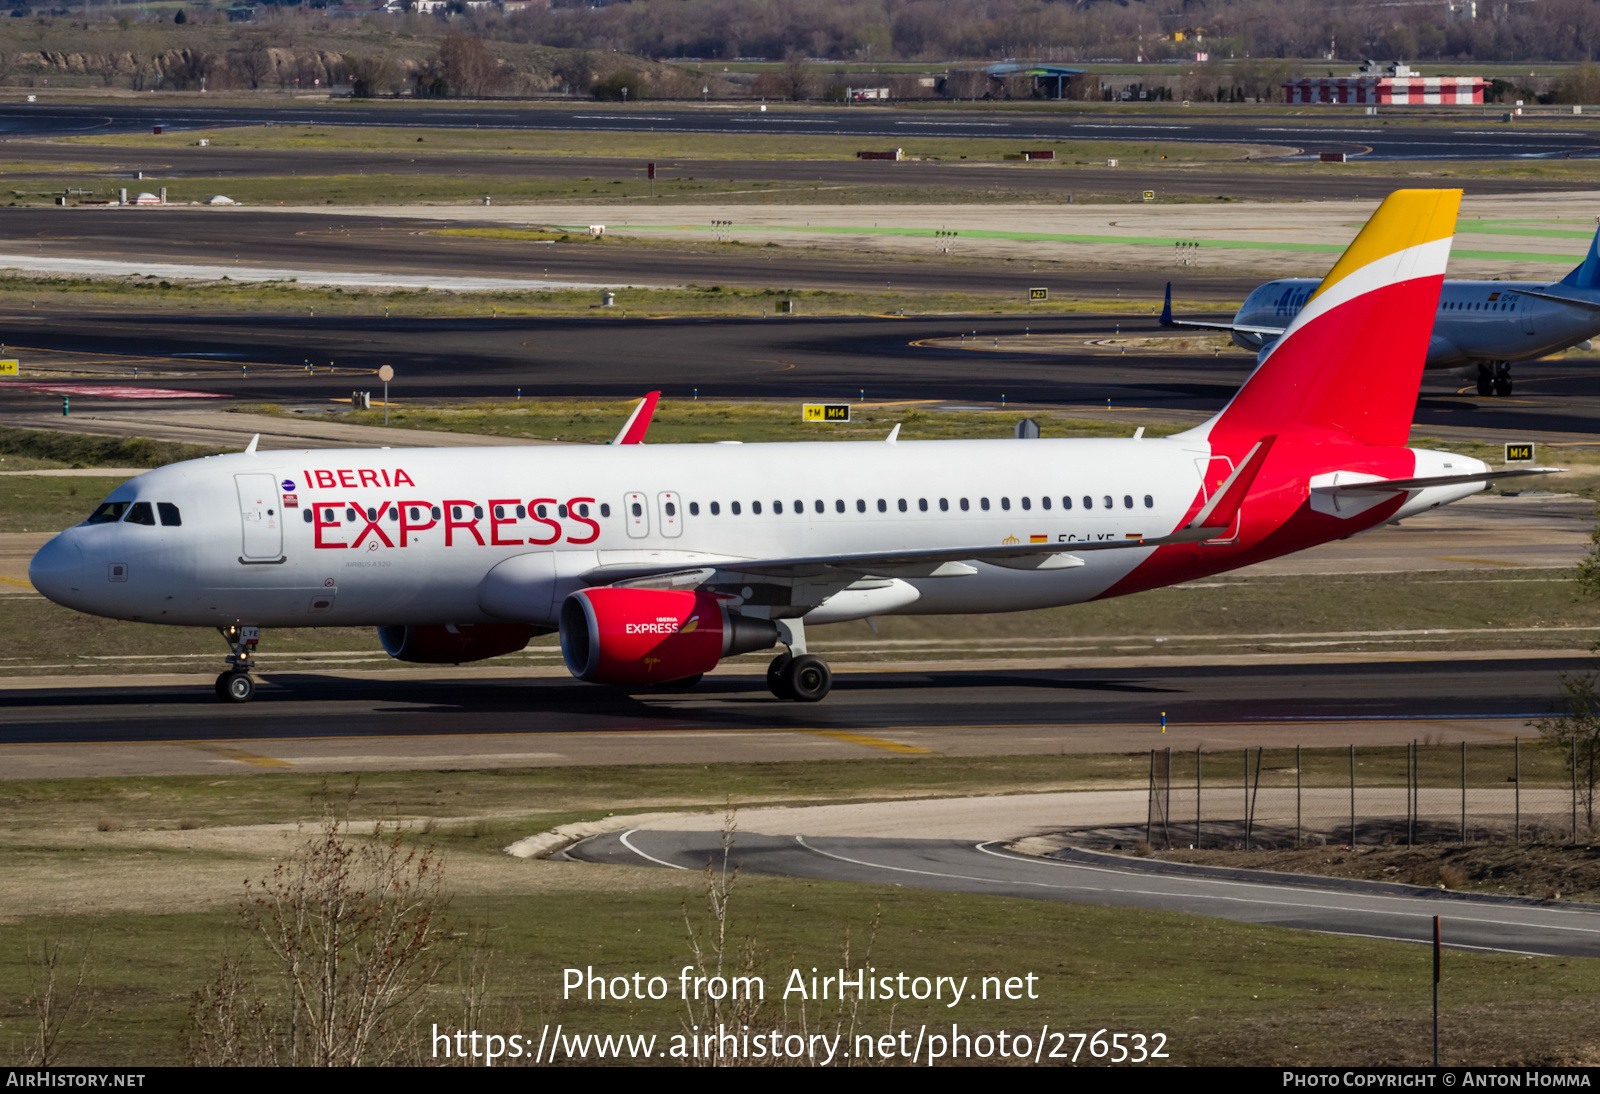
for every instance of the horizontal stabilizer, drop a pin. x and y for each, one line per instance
(1203, 324)
(1395, 486)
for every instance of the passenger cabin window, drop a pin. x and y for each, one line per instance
(777, 508)
(1088, 502)
(820, 507)
(1149, 502)
(734, 506)
(1127, 501)
(637, 509)
(1066, 503)
(838, 505)
(1108, 502)
(694, 509)
(672, 510)
(922, 505)
(141, 513)
(109, 513)
(983, 503)
(1026, 504)
(716, 508)
(755, 507)
(170, 517)
(1005, 503)
(944, 505)
(965, 505)
(433, 512)
(902, 504)
(1044, 502)
(861, 505)
(883, 506)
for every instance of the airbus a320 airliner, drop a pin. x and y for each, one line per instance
(655, 562)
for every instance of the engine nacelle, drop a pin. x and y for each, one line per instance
(451, 644)
(653, 636)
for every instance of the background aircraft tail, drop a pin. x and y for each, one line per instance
(1587, 274)
(1351, 360)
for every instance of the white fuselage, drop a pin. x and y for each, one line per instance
(289, 539)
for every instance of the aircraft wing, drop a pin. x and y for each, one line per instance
(1592, 305)
(1394, 486)
(1168, 321)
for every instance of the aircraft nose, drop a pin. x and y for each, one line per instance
(57, 570)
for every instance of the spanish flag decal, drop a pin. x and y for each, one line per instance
(1038, 539)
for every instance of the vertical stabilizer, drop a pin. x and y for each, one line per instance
(1351, 360)
(1587, 274)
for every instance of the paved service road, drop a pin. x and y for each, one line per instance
(1471, 137)
(1367, 909)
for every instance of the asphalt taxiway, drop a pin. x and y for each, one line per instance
(1367, 909)
(364, 720)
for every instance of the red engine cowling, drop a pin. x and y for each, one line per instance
(653, 636)
(451, 644)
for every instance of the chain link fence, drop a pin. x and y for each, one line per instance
(1261, 798)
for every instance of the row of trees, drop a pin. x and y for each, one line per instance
(1562, 30)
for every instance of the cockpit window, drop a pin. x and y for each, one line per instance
(170, 517)
(141, 513)
(109, 513)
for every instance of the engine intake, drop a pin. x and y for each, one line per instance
(451, 644)
(653, 636)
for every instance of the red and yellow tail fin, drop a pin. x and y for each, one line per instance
(1351, 361)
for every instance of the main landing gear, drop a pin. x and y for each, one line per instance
(804, 679)
(1494, 378)
(798, 675)
(236, 684)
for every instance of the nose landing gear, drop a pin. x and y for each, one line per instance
(236, 685)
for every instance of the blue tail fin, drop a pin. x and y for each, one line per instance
(1587, 275)
(1166, 307)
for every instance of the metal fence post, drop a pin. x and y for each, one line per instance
(1298, 781)
(1516, 779)
(1197, 797)
(1574, 790)
(1352, 796)
(1166, 812)
(1247, 798)
(1411, 800)
(1150, 804)
(1463, 791)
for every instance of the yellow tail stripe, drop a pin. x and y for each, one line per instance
(1405, 219)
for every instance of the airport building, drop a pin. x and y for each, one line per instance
(1395, 85)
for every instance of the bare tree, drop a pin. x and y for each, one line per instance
(1576, 734)
(371, 73)
(797, 78)
(57, 973)
(467, 66)
(352, 930)
(574, 71)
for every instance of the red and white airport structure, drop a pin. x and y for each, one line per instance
(1371, 86)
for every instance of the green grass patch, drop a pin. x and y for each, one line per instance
(89, 450)
(227, 296)
(685, 421)
(428, 145)
(1221, 992)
